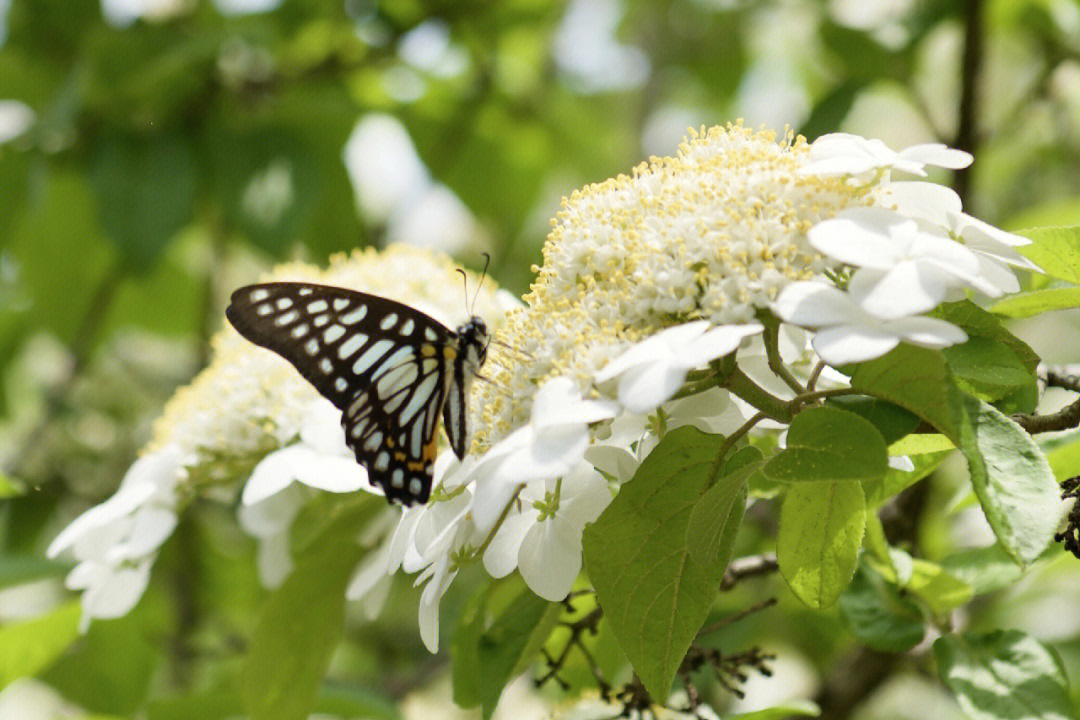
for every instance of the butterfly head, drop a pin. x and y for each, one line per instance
(473, 341)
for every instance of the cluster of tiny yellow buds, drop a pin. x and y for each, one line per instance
(714, 233)
(249, 400)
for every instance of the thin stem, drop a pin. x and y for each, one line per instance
(737, 435)
(738, 616)
(814, 375)
(776, 364)
(808, 397)
(749, 566)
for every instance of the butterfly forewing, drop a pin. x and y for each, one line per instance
(381, 362)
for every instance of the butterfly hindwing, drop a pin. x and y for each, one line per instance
(381, 362)
(391, 424)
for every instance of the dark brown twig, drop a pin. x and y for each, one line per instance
(748, 566)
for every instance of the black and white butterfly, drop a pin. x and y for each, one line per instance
(389, 368)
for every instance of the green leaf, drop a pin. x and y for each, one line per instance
(978, 323)
(301, 624)
(28, 647)
(921, 444)
(938, 589)
(1064, 459)
(145, 189)
(1013, 481)
(1027, 304)
(829, 444)
(1056, 250)
(1011, 477)
(490, 651)
(993, 364)
(1004, 675)
(653, 557)
(896, 481)
(878, 615)
(791, 708)
(18, 569)
(988, 369)
(817, 545)
(892, 421)
(916, 379)
(985, 569)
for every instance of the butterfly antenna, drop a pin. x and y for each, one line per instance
(483, 274)
(465, 283)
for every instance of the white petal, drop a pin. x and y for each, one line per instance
(938, 155)
(550, 558)
(85, 574)
(274, 560)
(661, 346)
(368, 574)
(501, 556)
(152, 527)
(646, 387)
(617, 462)
(321, 428)
(590, 499)
(850, 344)
(429, 609)
(274, 514)
(116, 507)
(863, 237)
(1001, 277)
(909, 288)
(332, 473)
(117, 592)
(716, 343)
(971, 228)
(927, 332)
(272, 475)
(815, 304)
(550, 400)
(926, 201)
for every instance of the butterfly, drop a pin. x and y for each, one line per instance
(390, 369)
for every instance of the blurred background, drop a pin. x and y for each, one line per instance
(155, 154)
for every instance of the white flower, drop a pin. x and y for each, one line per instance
(906, 270)
(839, 154)
(544, 540)
(549, 446)
(320, 459)
(940, 206)
(654, 369)
(849, 333)
(116, 542)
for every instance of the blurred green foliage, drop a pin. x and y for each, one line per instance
(144, 191)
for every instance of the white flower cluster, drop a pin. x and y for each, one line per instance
(115, 543)
(911, 250)
(712, 234)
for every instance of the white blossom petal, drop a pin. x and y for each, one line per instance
(550, 557)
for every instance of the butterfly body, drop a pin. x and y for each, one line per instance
(390, 369)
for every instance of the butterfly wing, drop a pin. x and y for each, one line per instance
(381, 362)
